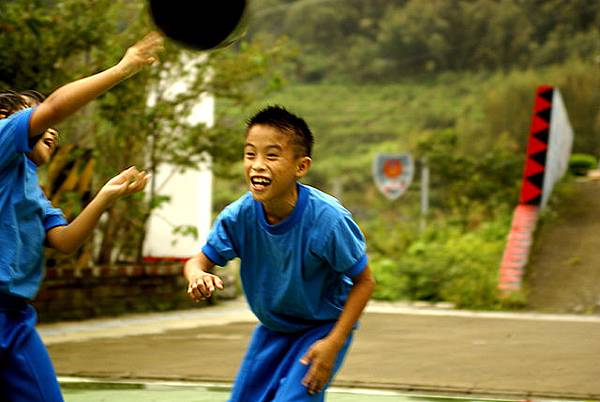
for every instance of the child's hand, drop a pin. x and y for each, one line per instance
(143, 53)
(127, 182)
(321, 358)
(202, 286)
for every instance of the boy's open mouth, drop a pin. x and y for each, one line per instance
(259, 183)
(49, 142)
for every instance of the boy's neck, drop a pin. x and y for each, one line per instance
(279, 209)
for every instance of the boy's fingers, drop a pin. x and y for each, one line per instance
(190, 291)
(204, 287)
(124, 174)
(151, 44)
(306, 358)
(309, 380)
(316, 381)
(196, 296)
(137, 182)
(196, 292)
(127, 174)
(208, 283)
(153, 38)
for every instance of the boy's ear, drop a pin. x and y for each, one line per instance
(303, 166)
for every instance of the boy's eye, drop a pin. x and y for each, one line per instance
(272, 156)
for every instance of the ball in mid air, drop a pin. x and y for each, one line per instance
(200, 25)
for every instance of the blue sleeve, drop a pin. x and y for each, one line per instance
(345, 247)
(53, 217)
(14, 136)
(220, 245)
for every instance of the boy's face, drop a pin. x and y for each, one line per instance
(44, 147)
(271, 165)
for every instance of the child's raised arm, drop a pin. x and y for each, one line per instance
(69, 98)
(69, 238)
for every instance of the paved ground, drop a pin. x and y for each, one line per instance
(397, 347)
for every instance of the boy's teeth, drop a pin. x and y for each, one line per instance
(260, 180)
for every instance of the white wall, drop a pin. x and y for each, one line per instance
(190, 205)
(190, 191)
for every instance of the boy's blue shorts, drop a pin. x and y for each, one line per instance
(26, 372)
(271, 370)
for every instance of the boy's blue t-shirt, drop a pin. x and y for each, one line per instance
(25, 212)
(296, 274)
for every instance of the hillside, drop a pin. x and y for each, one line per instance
(472, 128)
(564, 273)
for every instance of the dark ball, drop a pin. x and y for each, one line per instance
(201, 24)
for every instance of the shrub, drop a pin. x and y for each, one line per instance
(391, 284)
(448, 264)
(579, 164)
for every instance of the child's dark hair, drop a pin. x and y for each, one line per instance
(278, 117)
(11, 101)
(33, 97)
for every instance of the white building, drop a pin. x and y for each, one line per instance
(190, 193)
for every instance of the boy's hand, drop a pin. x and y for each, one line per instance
(321, 358)
(202, 286)
(127, 182)
(143, 53)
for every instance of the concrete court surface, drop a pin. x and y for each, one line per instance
(427, 350)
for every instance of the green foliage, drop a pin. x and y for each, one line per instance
(141, 121)
(185, 230)
(383, 40)
(473, 130)
(507, 104)
(391, 284)
(579, 164)
(469, 185)
(446, 264)
(41, 40)
(516, 300)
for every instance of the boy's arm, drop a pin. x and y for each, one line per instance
(202, 284)
(322, 354)
(67, 99)
(69, 238)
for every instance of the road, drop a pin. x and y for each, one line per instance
(398, 347)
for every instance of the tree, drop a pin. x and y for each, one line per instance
(122, 126)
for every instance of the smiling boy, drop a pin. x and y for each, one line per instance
(28, 221)
(303, 266)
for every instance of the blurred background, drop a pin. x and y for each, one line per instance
(448, 81)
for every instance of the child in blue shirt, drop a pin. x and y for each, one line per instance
(28, 220)
(303, 266)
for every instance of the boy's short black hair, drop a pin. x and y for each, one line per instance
(33, 97)
(278, 117)
(11, 101)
